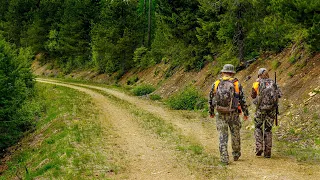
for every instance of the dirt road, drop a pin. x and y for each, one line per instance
(151, 158)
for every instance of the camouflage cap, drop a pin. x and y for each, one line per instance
(228, 68)
(261, 71)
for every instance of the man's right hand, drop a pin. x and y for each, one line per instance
(212, 115)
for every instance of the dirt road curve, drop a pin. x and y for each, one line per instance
(149, 158)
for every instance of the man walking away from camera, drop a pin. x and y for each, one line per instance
(265, 93)
(228, 98)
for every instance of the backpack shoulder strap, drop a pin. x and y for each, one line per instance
(234, 80)
(255, 86)
(236, 85)
(216, 84)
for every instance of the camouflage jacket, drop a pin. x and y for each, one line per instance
(242, 99)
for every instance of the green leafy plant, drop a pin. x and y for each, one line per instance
(291, 74)
(17, 110)
(275, 64)
(293, 59)
(143, 90)
(187, 99)
(132, 80)
(155, 97)
(139, 57)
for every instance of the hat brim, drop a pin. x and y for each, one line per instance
(225, 71)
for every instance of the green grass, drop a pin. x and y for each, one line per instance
(294, 58)
(132, 80)
(155, 97)
(275, 64)
(68, 143)
(143, 90)
(124, 89)
(291, 74)
(187, 99)
(301, 154)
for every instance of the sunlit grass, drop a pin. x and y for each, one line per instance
(69, 142)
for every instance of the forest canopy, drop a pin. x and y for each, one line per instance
(117, 35)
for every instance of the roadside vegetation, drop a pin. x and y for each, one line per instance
(187, 99)
(67, 141)
(143, 89)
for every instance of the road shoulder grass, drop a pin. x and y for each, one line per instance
(69, 141)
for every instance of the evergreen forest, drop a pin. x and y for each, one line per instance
(117, 35)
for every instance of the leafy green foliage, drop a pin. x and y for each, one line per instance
(17, 108)
(132, 80)
(293, 59)
(143, 90)
(187, 99)
(139, 57)
(155, 97)
(116, 36)
(275, 64)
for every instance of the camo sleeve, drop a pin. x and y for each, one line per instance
(253, 93)
(211, 100)
(279, 91)
(243, 102)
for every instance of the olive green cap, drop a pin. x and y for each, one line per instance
(228, 68)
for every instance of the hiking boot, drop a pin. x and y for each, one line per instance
(259, 152)
(268, 144)
(236, 158)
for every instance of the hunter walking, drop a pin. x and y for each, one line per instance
(265, 93)
(228, 98)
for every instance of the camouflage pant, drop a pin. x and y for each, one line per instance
(265, 117)
(232, 121)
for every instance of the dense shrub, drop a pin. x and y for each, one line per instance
(187, 99)
(16, 93)
(155, 97)
(143, 90)
(132, 80)
(275, 64)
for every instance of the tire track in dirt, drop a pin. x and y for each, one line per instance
(149, 157)
(248, 167)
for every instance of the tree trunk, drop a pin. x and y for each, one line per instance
(239, 34)
(149, 24)
(144, 29)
